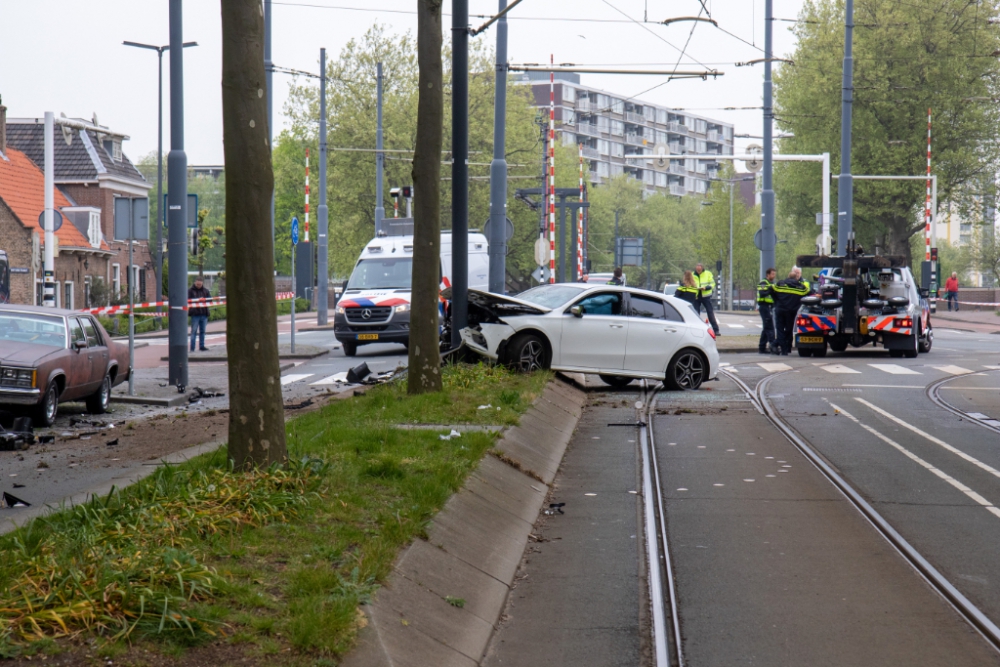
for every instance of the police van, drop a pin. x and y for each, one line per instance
(375, 305)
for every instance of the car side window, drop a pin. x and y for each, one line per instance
(672, 313)
(93, 339)
(602, 303)
(76, 331)
(646, 307)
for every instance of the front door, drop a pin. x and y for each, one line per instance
(79, 371)
(97, 350)
(652, 336)
(597, 340)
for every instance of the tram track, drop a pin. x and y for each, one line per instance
(933, 393)
(965, 608)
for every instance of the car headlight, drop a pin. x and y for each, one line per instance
(403, 308)
(340, 310)
(23, 378)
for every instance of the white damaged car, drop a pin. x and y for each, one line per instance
(619, 333)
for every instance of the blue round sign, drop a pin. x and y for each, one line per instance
(295, 231)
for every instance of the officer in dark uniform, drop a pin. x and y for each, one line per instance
(617, 277)
(687, 290)
(765, 305)
(787, 295)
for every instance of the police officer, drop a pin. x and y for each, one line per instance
(787, 295)
(705, 281)
(686, 290)
(765, 305)
(617, 277)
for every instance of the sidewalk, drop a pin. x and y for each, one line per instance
(980, 321)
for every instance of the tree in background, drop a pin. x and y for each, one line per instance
(713, 232)
(424, 360)
(256, 409)
(909, 57)
(984, 252)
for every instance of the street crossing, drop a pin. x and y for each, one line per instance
(890, 369)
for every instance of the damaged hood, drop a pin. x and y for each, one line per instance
(501, 305)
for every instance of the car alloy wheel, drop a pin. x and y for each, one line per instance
(686, 371)
(528, 353)
(50, 405)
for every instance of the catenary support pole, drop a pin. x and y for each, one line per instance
(845, 188)
(767, 236)
(498, 168)
(459, 169)
(827, 241)
(48, 266)
(176, 207)
(379, 155)
(322, 213)
(729, 291)
(160, 213)
(617, 261)
(268, 77)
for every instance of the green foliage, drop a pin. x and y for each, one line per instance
(909, 57)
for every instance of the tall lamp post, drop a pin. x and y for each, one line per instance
(732, 186)
(159, 161)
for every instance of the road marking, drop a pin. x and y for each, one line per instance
(884, 386)
(735, 326)
(775, 368)
(839, 368)
(895, 369)
(289, 379)
(992, 368)
(913, 457)
(954, 370)
(333, 379)
(973, 388)
(937, 441)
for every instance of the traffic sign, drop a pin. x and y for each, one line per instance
(541, 274)
(758, 241)
(509, 228)
(542, 251)
(757, 151)
(295, 231)
(57, 220)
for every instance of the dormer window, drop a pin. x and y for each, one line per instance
(94, 229)
(116, 150)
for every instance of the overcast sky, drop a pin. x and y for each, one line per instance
(67, 56)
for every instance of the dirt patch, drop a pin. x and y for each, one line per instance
(76, 653)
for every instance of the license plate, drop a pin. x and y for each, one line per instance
(367, 336)
(810, 339)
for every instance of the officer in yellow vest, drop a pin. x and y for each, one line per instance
(705, 282)
(765, 305)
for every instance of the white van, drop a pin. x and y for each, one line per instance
(375, 306)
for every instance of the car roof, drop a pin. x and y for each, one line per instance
(39, 310)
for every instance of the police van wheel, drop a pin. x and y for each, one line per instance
(350, 349)
(821, 352)
(838, 345)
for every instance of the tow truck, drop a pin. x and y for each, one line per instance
(863, 299)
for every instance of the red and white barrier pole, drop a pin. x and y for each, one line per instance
(552, 173)
(581, 270)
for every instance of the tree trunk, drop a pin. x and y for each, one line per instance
(425, 360)
(256, 410)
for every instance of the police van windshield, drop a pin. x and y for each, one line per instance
(387, 273)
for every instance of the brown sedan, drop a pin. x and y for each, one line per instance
(49, 356)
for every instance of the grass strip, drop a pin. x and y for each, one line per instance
(271, 565)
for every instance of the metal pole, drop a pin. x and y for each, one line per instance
(649, 265)
(617, 244)
(131, 305)
(574, 268)
(160, 213)
(379, 155)
(176, 206)
(845, 188)
(322, 213)
(729, 298)
(294, 292)
(48, 270)
(562, 240)
(459, 168)
(268, 74)
(498, 168)
(767, 237)
(826, 205)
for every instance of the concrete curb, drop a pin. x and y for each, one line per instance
(472, 551)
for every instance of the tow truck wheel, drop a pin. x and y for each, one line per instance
(895, 353)
(838, 345)
(805, 353)
(926, 341)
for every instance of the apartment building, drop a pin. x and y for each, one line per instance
(647, 142)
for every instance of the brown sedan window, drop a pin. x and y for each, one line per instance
(93, 338)
(76, 331)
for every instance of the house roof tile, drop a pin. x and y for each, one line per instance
(22, 188)
(76, 162)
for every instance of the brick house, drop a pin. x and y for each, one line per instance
(89, 173)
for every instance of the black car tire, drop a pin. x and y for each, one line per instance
(527, 352)
(819, 352)
(911, 352)
(686, 371)
(926, 341)
(49, 407)
(100, 400)
(805, 352)
(838, 345)
(350, 349)
(895, 353)
(616, 381)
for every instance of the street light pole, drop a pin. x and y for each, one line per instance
(845, 188)
(161, 215)
(767, 236)
(177, 203)
(498, 169)
(322, 213)
(732, 186)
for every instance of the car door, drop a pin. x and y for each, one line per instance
(653, 337)
(596, 340)
(79, 364)
(97, 351)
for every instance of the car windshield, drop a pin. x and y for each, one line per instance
(32, 328)
(388, 273)
(550, 296)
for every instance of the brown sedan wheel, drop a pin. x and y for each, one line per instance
(98, 402)
(49, 407)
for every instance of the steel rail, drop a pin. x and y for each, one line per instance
(932, 393)
(657, 545)
(972, 614)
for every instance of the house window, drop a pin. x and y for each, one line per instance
(602, 169)
(603, 146)
(617, 170)
(135, 280)
(94, 229)
(87, 297)
(649, 113)
(617, 128)
(661, 180)
(661, 116)
(603, 123)
(647, 176)
(568, 139)
(617, 149)
(116, 280)
(727, 132)
(702, 146)
(142, 286)
(617, 106)
(68, 295)
(569, 94)
(661, 137)
(569, 117)
(700, 126)
(116, 150)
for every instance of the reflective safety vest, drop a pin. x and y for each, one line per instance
(764, 291)
(686, 293)
(788, 293)
(704, 281)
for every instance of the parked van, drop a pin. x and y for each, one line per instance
(375, 306)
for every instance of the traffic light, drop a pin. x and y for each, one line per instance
(934, 254)
(407, 191)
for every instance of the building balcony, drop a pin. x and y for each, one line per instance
(677, 128)
(715, 136)
(678, 190)
(587, 129)
(677, 169)
(638, 161)
(636, 118)
(591, 152)
(585, 105)
(634, 140)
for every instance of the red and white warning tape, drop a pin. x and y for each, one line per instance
(192, 303)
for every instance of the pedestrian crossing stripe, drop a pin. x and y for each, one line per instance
(775, 367)
(953, 370)
(838, 368)
(895, 369)
(289, 379)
